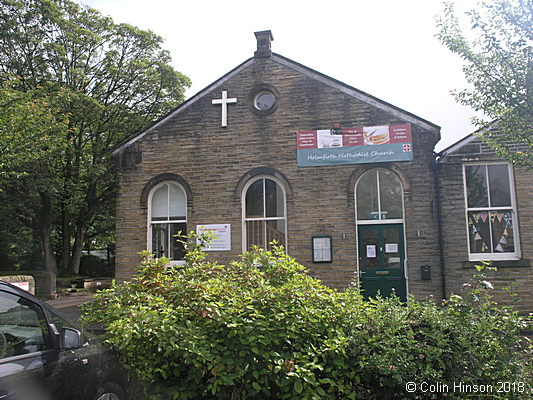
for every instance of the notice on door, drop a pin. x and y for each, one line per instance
(222, 236)
(391, 248)
(371, 251)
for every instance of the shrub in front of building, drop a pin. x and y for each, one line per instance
(464, 348)
(262, 328)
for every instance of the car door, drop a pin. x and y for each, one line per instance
(77, 364)
(26, 348)
(42, 356)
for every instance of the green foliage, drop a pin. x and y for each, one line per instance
(498, 63)
(31, 125)
(82, 85)
(261, 328)
(460, 342)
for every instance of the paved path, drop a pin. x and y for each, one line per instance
(68, 306)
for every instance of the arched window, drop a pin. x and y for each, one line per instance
(167, 215)
(264, 213)
(379, 196)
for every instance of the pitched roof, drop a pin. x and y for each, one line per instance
(459, 144)
(309, 72)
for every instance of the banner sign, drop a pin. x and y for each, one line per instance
(368, 144)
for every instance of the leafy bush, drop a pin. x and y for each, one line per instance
(261, 328)
(446, 346)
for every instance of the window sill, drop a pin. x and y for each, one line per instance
(522, 263)
(177, 262)
(174, 262)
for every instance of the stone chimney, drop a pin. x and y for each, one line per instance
(264, 38)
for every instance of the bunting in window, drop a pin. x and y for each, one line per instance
(502, 230)
(480, 235)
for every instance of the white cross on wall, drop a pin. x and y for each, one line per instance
(224, 101)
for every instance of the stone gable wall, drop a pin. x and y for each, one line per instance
(213, 159)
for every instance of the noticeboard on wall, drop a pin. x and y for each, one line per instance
(221, 240)
(322, 249)
(366, 144)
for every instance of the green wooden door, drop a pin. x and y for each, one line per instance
(381, 260)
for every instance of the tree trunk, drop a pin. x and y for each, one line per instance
(68, 183)
(77, 250)
(82, 225)
(45, 227)
(65, 232)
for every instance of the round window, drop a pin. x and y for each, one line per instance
(264, 100)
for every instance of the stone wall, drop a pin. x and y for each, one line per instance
(43, 283)
(214, 160)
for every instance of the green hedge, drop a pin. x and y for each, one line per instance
(262, 328)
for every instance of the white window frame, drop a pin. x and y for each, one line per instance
(176, 221)
(379, 221)
(492, 256)
(243, 209)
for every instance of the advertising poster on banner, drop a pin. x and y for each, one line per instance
(368, 144)
(222, 236)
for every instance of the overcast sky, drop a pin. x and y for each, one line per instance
(386, 48)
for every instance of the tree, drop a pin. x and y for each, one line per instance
(30, 127)
(499, 66)
(116, 78)
(31, 131)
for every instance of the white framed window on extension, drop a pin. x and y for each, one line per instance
(491, 211)
(167, 215)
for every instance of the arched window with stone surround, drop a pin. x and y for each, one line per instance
(167, 216)
(379, 196)
(264, 213)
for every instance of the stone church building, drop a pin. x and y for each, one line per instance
(348, 183)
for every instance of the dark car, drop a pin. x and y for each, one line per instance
(44, 357)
